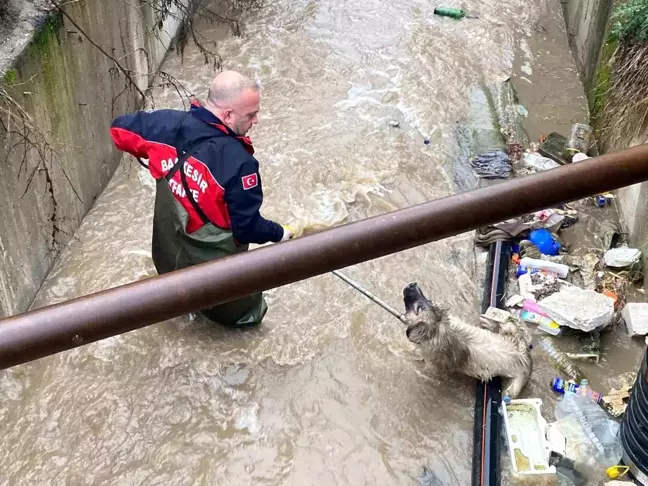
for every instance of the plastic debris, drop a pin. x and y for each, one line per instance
(617, 472)
(545, 324)
(560, 360)
(585, 310)
(635, 315)
(580, 140)
(526, 433)
(546, 265)
(497, 315)
(522, 110)
(622, 257)
(514, 301)
(538, 162)
(561, 386)
(566, 469)
(592, 438)
(455, 13)
(542, 239)
(492, 165)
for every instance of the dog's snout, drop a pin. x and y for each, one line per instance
(412, 288)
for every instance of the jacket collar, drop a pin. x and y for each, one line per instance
(203, 114)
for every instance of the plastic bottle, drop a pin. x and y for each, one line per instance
(543, 240)
(559, 359)
(561, 386)
(533, 307)
(559, 268)
(521, 270)
(544, 323)
(455, 13)
(580, 140)
(585, 390)
(592, 438)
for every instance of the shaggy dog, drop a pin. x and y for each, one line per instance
(459, 347)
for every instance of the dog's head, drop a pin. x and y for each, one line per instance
(424, 318)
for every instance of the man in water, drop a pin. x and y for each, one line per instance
(208, 187)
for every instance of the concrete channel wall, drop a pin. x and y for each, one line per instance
(70, 94)
(587, 24)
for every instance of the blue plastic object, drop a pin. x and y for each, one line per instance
(542, 239)
(521, 270)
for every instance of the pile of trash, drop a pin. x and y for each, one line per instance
(556, 292)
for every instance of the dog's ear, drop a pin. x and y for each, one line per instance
(417, 333)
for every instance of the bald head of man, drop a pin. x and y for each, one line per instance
(234, 99)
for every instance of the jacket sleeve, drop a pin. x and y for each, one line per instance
(127, 132)
(244, 197)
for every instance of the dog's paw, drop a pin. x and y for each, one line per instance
(489, 325)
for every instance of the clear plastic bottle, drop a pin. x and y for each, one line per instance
(592, 438)
(559, 359)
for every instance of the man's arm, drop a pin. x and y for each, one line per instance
(244, 197)
(127, 132)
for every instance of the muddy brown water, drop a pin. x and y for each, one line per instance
(328, 390)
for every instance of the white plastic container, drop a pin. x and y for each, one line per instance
(528, 437)
(558, 268)
(544, 323)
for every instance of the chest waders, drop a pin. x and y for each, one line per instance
(173, 248)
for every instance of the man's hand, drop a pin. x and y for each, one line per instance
(288, 233)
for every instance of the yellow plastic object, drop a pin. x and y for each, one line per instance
(613, 472)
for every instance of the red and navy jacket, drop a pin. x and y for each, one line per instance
(222, 173)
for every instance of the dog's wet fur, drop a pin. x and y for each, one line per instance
(455, 346)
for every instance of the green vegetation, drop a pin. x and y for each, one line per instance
(603, 83)
(10, 77)
(619, 107)
(48, 33)
(630, 22)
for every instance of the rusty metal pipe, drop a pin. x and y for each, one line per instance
(66, 325)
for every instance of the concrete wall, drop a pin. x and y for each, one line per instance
(586, 22)
(67, 90)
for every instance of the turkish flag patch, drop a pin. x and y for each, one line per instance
(250, 181)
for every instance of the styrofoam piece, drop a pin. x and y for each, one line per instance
(635, 315)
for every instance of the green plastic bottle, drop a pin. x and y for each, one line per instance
(455, 13)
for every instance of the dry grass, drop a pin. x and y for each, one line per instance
(625, 112)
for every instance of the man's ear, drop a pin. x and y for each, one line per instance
(416, 333)
(227, 115)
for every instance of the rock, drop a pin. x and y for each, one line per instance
(573, 307)
(394, 123)
(553, 147)
(635, 315)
